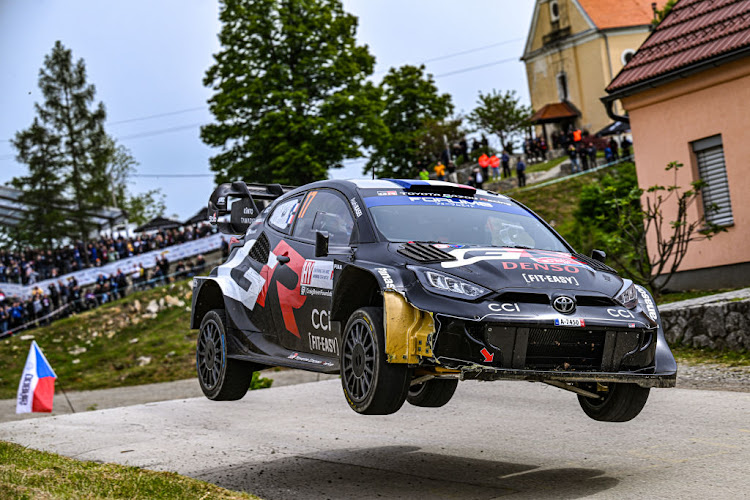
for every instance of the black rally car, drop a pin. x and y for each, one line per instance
(406, 287)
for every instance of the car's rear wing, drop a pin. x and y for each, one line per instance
(243, 209)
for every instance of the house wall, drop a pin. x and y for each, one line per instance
(666, 119)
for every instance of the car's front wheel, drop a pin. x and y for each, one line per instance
(221, 379)
(619, 403)
(371, 386)
(432, 393)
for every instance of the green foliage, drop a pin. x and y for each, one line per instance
(291, 99)
(417, 120)
(662, 13)
(501, 114)
(73, 164)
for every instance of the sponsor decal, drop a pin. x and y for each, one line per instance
(443, 246)
(559, 261)
(450, 202)
(631, 325)
(488, 356)
(355, 206)
(317, 274)
(650, 307)
(323, 344)
(284, 215)
(620, 313)
(504, 307)
(383, 272)
(548, 278)
(222, 200)
(321, 320)
(289, 299)
(23, 400)
(579, 322)
(316, 292)
(213, 218)
(248, 211)
(297, 357)
(387, 193)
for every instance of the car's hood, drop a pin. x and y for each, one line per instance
(501, 268)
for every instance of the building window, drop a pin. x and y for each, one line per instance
(709, 154)
(554, 11)
(626, 56)
(562, 86)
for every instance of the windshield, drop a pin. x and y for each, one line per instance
(459, 221)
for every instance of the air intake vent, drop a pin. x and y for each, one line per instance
(261, 249)
(594, 263)
(424, 253)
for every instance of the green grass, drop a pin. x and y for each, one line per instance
(544, 166)
(666, 298)
(692, 356)
(26, 473)
(116, 338)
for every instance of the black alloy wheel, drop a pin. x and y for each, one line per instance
(221, 379)
(371, 386)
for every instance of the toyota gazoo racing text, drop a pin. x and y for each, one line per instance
(406, 287)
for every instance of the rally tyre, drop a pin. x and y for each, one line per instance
(221, 379)
(623, 402)
(432, 393)
(371, 386)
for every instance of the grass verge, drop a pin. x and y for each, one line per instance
(692, 356)
(544, 166)
(118, 344)
(666, 298)
(27, 473)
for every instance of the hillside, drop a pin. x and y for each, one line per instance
(142, 339)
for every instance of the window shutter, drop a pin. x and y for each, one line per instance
(712, 170)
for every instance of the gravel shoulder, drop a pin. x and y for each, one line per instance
(713, 377)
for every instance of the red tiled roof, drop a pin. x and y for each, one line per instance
(554, 112)
(619, 13)
(694, 32)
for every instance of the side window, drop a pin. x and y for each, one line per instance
(325, 211)
(282, 217)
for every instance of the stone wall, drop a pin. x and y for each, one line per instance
(718, 321)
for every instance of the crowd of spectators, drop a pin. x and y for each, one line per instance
(29, 266)
(66, 297)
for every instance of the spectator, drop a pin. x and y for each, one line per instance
(424, 174)
(476, 178)
(440, 171)
(521, 172)
(505, 160)
(582, 156)
(452, 176)
(592, 155)
(573, 155)
(625, 145)
(614, 147)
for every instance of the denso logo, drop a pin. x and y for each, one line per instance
(504, 307)
(321, 320)
(620, 313)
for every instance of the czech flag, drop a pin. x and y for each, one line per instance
(37, 388)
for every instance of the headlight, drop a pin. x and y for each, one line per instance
(629, 297)
(445, 284)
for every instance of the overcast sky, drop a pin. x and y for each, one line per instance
(147, 59)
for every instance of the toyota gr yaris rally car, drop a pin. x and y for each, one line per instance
(406, 287)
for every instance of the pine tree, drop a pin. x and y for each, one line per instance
(291, 99)
(44, 222)
(68, 112)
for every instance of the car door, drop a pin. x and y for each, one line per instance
(308, 319)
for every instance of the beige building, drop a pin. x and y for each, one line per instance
(573, 50)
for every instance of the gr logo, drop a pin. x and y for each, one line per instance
(620, 313)
(321, 320)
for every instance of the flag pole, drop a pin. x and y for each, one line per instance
(66, 396)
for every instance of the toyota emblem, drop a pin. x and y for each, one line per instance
(564, 304)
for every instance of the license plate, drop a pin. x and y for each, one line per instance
(570, 322)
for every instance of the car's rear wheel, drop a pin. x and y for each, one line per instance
(432, 393)
(371, 386)
(221, 379)
(620, 403)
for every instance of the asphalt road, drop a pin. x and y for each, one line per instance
(503, 439)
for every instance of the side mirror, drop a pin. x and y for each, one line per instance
(321, 243)
(599, 255)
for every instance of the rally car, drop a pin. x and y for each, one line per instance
(406, 287)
